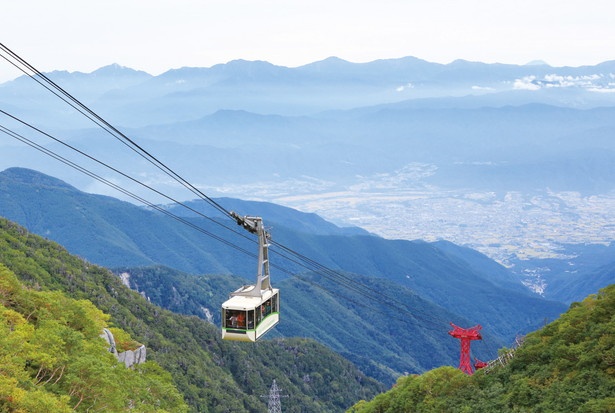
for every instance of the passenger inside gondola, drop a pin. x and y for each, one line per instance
(241, 320)
(233, 320)
(266, 308)
(236, 319)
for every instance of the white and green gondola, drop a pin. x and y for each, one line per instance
(252, 310)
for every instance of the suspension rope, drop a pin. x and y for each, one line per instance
(285, 252)
(51, 86)
(306, 263)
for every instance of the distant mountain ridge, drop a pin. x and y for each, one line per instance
(190, 92)
(398, 146)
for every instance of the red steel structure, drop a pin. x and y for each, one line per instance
(466, 335)
(479, 364)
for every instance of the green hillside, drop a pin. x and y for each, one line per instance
(53, 359)
(368, 332)
(568, 366)
(211, 375)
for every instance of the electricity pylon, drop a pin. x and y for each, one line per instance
(274, 405)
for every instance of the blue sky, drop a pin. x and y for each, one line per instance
(158, 35)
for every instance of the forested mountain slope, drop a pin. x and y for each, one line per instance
(54, 360)
(567, 366)
(212, 375)
(386, 333)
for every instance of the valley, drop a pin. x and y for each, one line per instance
(516, 169)
(507, 226)
(502, 226)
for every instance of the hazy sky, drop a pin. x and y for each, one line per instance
(157, 35)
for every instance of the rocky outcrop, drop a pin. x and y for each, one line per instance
(128, 357)
(132, 357)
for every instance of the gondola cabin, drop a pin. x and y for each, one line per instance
(252, 310)
(246, 318)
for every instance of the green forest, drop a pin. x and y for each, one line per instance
(44, 289)
(54, 360)
(567, 366)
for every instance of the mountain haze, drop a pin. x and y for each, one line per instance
(368, 144)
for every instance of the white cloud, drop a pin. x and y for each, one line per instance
(475, 87)
(526, 83)
(593, 82)
(404, 87)
(610, 89)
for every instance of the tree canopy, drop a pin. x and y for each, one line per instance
(52, 358)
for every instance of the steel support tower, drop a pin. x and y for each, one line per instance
(466, 335)
(274, 405)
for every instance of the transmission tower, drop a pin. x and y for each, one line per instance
(274, 405)
(466, 335)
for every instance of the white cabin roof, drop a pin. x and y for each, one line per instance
(242, 302)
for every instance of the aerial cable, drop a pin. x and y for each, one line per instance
(121, 173)
(120, 189)
(95, 118)
(355, 302)
(330, 274)
(338, 275)
(327, 273)
(112, 130)
(316, 267)
(83, 109)
(350, 284)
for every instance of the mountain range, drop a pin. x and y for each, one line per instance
(428, 284)
(366, 144)
(135, 98)
(513, 161)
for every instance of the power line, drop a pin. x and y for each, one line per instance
(106, 165)
(294, 257)
(118, 188)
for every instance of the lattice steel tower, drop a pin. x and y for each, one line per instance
(274, 405)
(466, 335)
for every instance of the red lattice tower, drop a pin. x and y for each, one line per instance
(466, 335)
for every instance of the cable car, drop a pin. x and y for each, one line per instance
(252, 310)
